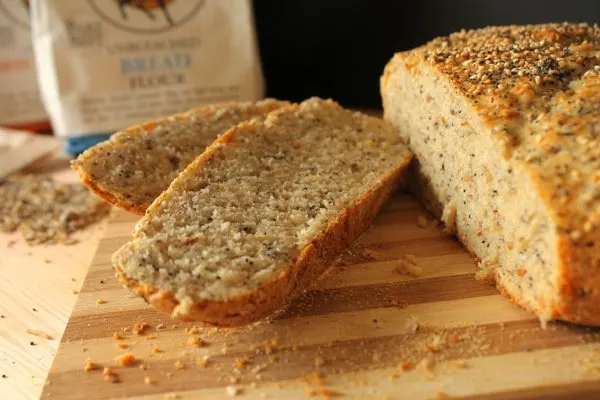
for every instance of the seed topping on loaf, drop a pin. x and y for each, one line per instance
(537, 88)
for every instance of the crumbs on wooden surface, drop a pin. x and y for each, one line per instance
(89, 365)
(427, 365)
(203, 361)
(412, 324)
(140, 327)
(109, 375)
(323, 392)
(121, 345)
(408, 264)
(195, 341)
(148, 380)
(155, 349)
(126, 359)
(117, 336)
(100, 300)
(179, 365)
(38, 333)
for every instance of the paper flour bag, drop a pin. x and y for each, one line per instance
(104, 65)
(20, 104)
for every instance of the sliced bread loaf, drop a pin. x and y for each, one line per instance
(505, 123)
(132, 168)
(262, 213)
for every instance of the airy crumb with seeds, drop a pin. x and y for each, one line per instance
(89, 365)
(126, 359)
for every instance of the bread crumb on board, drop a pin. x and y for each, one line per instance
(100, 300)
(117, 336)
(139, 328)
(41, 334)
(126, 359)
(148, 380)
(109, 375)
(89, 365)
(409, 265)
(411, 325)
(195, 341)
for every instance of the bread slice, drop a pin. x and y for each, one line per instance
(132, 168)
(505, 123)
(262, 213)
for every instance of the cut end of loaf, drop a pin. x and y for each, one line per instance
(243, 227)
(503, 121)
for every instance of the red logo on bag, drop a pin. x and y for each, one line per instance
(146, 16)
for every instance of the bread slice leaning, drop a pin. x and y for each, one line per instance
(505, 123)
(135, 165)
(262, 213)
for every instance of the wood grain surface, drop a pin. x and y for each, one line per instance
(38, 290)
(367, 329)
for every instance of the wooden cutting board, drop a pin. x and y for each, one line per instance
(351, 336)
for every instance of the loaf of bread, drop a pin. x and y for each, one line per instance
(132, 168)
(262, 213)
(505, 126)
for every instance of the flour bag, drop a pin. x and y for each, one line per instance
(20, 103)
(104, 65)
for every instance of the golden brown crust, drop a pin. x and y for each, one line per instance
(139, 205)
(536, 89)
(312, 260)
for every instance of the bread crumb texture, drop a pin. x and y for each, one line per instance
(132, 168)
(241, 214)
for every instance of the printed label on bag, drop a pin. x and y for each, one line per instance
(118, 62)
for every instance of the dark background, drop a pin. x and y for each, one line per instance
(338, 48)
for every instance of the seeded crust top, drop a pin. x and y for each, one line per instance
(536, 88)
